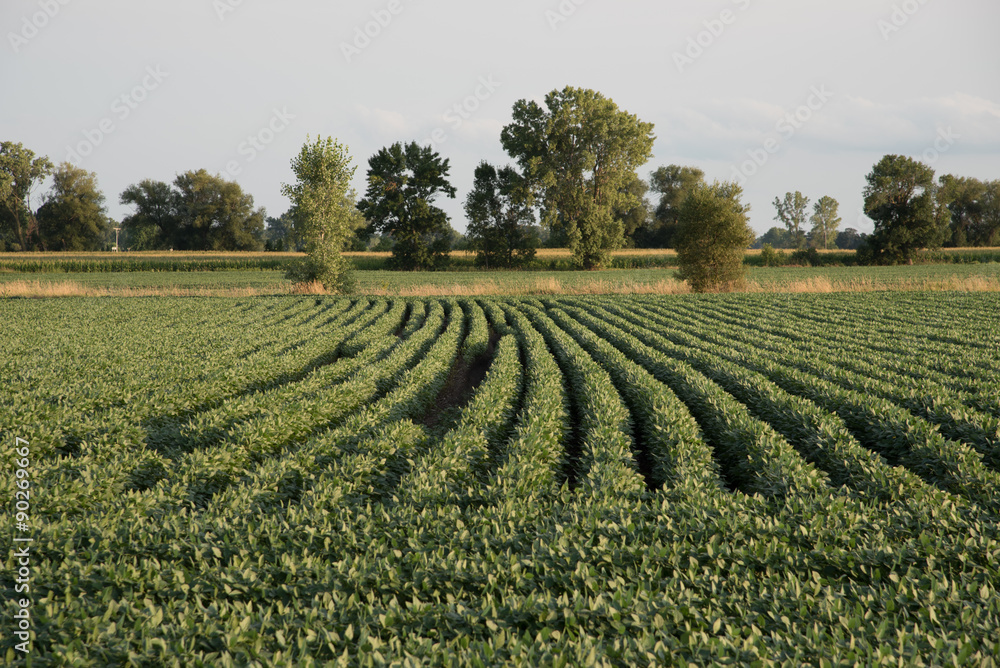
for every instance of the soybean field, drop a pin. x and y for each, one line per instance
(750, 479)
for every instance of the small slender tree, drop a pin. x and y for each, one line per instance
(712, 237)
(500, 218)
(326, 213)
(792, 214)
(825, 222)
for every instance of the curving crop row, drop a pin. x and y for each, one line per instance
(535, 457)
(477, 340)
(280, 481)
(200, 474)
(460, 465)
(90, 415)
(971, 380)
(604, 464)
(879, 424)
(165, 448)
(901, 375)
(969, 407)
(972, 418)
(368, 333)
(336, 547)
(672, 444)
(359, 435)
(819, 435)
(754, 457)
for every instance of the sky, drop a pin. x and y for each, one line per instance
(779, 95)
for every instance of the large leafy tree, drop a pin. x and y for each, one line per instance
(988, 232)
(155, 223)
(713, 236)
(825, 222)
(791, 212)
(974, 210)
(281, 233)
(635, 211)
(776, 237)
(580, 152)
(73, 217)
(850, 239)
(21, 172)
(672, 183)
(216, 214)
(403, 183)
(200, 212)
(901, 198)
(325, 212)
(501, 217)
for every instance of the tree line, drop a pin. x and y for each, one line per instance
(198, 211)
(573, 182)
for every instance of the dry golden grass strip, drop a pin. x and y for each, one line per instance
(523, 285)
(824, 284)
(46, 289)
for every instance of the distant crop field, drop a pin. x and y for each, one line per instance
(747, 479)
(546, 260)
(150, 261)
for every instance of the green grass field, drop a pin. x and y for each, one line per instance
(713, 480)
(242, 282)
